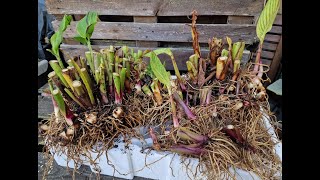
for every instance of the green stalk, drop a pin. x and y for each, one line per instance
(83, 63)
(66, 75)
(55, 105)
(86, 80)
(156, 92)
(52, 76)
(102, 87)
(116, 64)
(55, 66)
(86, 74)
(139, 54)
(111, 59)
(80, 92)
(110, 64)
(96, 76)
(97, 60)
(73, 97)
(116, 79)
(146, 90)
(125, 51)
(194, 59)
(176, 71)
(128, 68)
(236, 65)
(173, 110)
(62, 106)
(89, 58)
(59, 60)
(122, 79)
(70, 63)
(91, 53)
(73, 73)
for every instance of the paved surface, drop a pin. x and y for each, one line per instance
(58, 172)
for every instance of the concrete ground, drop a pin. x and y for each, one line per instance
(58, 172)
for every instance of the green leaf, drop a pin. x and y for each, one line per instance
(224, 52)
(56, 38)
(85, 26)
(267, 18)
(81, 40)
(237, 50)
(65, 22)
(161, 51)
(55, 42)
(159, 70)
(149, 71)
(169, 53)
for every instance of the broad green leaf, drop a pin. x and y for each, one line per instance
(224, 52)
(56, 38)
(159, 70)
(161, 51)
(169, 53)
(55, 42)
(81, 40)
(85, 26)
(267, 18)
(149, 71)
(65, 22)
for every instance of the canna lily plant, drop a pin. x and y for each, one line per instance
(56, 38)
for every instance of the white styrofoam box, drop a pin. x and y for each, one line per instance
(62, 160)
(119, 164)
(171, 168)
(178, 170)
(160, 165)
(147, 164)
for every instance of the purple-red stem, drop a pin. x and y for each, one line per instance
(256, 66)
(184, 106)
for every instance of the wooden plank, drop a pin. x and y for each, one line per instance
(263, 60)
(143, 19)
(78, 17)
(269, 46)
(266, 54)
(278, 20)
(174, 32)
(108, 42)
(181, 54)
(156, 7)
(213, 7)
(58, 17)
(276, 62)
(70, 41)
(272, 38)
(240, 19)
(276, 30)
(104, 7)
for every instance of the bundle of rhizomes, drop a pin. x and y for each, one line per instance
(214, 113)
(90, 101)
(217, 112)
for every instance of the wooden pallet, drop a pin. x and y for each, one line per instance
(159, 23)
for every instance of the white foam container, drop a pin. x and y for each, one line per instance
(162, 165)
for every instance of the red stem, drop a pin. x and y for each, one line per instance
(256, 66)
